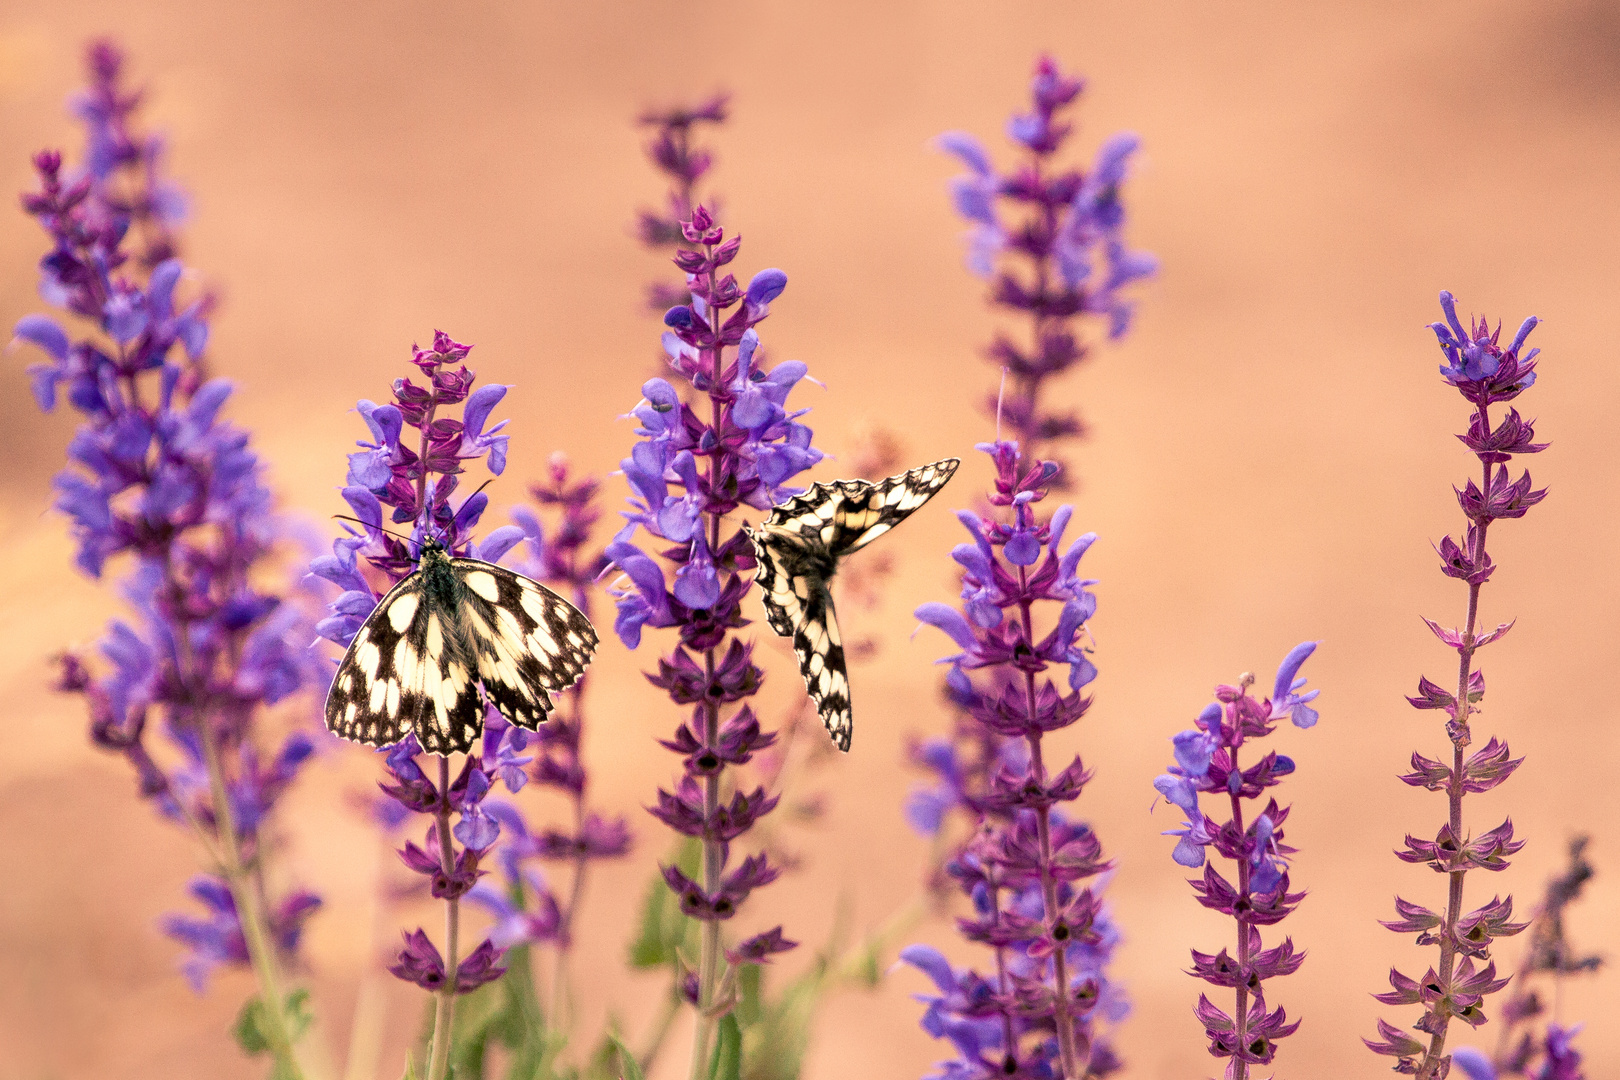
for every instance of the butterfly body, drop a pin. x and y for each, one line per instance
(417, 662)
(798, 548)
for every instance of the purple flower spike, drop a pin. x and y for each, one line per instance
(1484, 374)
(733, 442)
(165, 492)
(1065, 260)
(1207, 761)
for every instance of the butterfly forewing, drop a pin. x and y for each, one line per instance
(417, 662)
(799, 546)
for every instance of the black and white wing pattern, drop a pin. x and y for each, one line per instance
(417, 663)
(798, 549)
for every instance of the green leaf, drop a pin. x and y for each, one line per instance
(727, 1061)
(252, 1028)
(410, 1067)
(663, 929)
(249, 1029)
(629, 1068)
(750, 995)
(298, 1016)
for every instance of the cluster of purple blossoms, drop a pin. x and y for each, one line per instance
(683, 162)
(526, 909)
(1485, 374)
(1066, 258)
(417, 483)
(1207, 761)
(735, 445)
(1025, 867)
(1521, 1049)
(156, 475)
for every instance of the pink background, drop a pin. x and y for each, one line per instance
(1270, 457)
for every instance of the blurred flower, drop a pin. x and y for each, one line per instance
(1065, 259)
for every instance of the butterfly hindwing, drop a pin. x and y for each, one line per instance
(527, 639)
(416, 663)
(798, 548)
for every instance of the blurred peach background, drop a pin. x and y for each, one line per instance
(1270, 457)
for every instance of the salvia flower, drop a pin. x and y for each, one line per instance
(1026, 870)
(1485, 373)
(1207, 762)
(735, 444)
(162, 485)
(1051, 240)
(683, 162)
(413, 465)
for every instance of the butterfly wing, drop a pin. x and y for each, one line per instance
(798, 605)
(402, 673)
(799, 546)
(867, 511)
(528, 641)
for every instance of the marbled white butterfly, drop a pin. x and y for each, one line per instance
(416, 663)
(799, 546)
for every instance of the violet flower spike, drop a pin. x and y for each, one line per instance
(1206, 760)
(1051, 242)
(1024, 868)
(160, 480)
(418, 483)
(734, 444)
(1485, 373)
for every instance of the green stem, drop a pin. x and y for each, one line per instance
(248, 912)
(444, 1013)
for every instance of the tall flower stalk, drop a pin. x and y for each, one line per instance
(1485, 374)
(417, 482)
(528, 911)
(158, 479)
(1207, 760)
(1024, 868)
(1050, 240)
(734, 445)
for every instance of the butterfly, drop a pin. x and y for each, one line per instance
(417, 661)
(798, 548)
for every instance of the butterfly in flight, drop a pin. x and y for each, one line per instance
(798, 548)
(417, 661)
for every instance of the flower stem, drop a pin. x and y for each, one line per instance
(713, 853)
(249, 914)
(1240, 1016)
(1429, 1067)
(1074, 1047)
(445, 1009)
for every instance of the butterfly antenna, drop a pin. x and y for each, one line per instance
(1001, 395)
(379, 528)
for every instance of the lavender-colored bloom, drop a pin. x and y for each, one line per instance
(1066, 259)
(1206, 760)
(1025, 867)
(1485, 374)
(161, 486)
(694, 464)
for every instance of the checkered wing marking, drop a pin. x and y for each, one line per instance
(799, 606)
(818, 528)
(846, 515)
(529, 642)
(398, 676)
